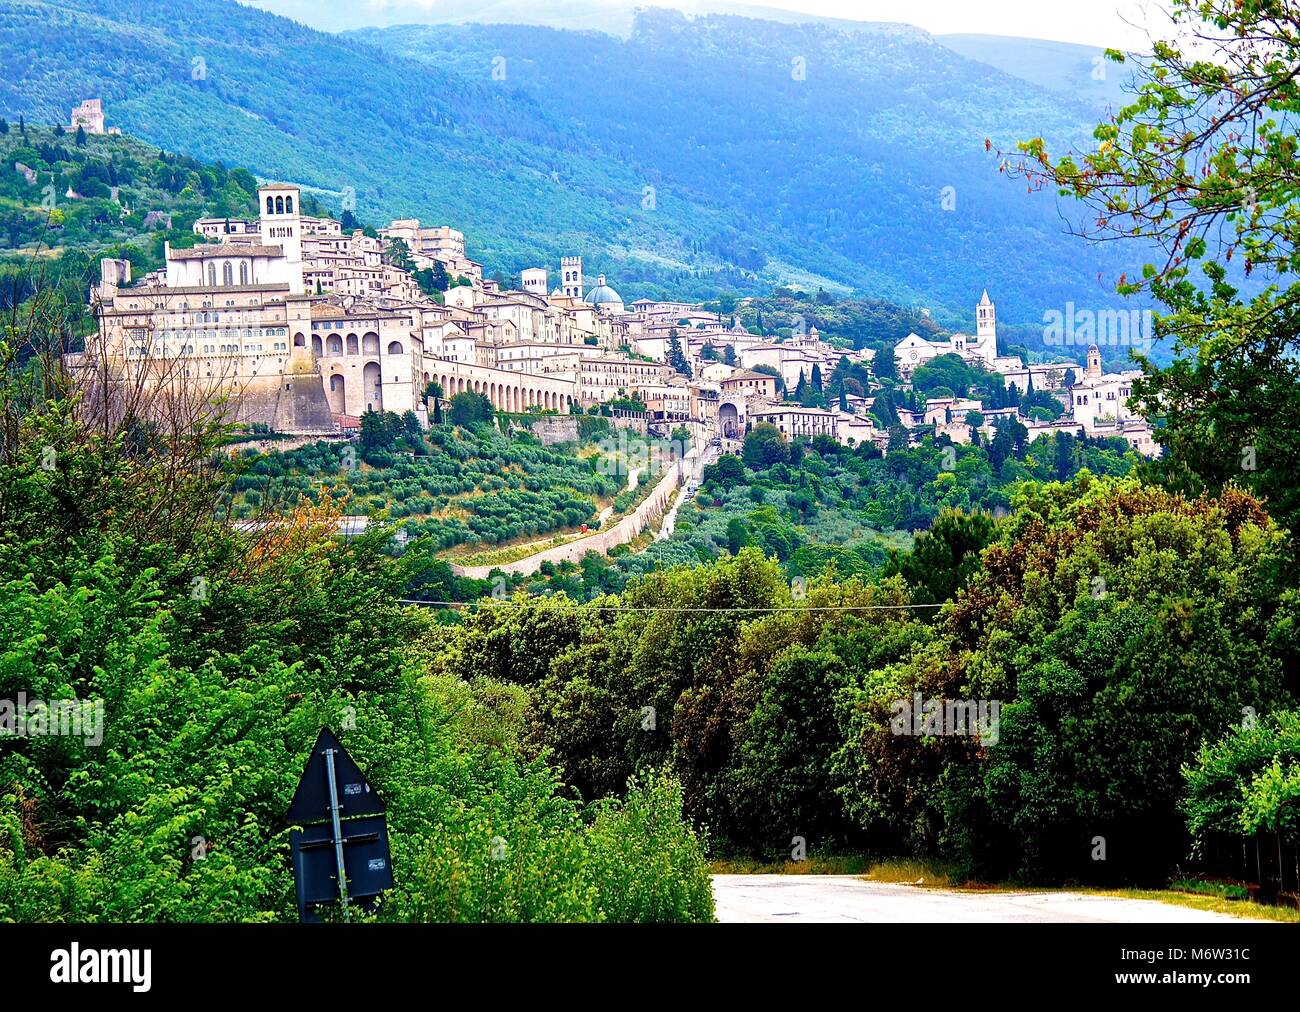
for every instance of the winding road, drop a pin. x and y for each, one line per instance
(847, 899)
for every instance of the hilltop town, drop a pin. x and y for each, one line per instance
(305, 326)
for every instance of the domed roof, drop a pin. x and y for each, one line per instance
(603, 295)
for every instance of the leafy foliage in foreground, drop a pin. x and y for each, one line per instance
(217, 657)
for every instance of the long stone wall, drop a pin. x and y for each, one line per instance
(652, 507)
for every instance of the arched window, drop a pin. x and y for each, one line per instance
(279, 205)
(288, 205)
(270, 206)
(227, 274)
(243, 272)
(395, 348)
(212, 275)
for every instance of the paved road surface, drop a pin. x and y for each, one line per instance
(845, 899)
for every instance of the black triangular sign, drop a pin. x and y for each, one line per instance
(311, 802)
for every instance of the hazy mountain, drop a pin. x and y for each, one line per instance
(1077, 71)
(855, 156)
(720, 152)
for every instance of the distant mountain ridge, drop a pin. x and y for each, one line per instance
(1081, 72)
(694, 156)
(612, 17)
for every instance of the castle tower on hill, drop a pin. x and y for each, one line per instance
(89, 115)
(571, 277)
(281, 220)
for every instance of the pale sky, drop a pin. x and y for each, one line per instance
(1122, 24)
(1089, 22)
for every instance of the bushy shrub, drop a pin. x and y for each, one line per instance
(1236, 784)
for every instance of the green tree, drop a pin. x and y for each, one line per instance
(1131, 662)
(676, 357)
(379, 431)
(884, 365)
(433, 392)
(728, 471)
(737, 535)
(470, 410)
(943, 559)
(765, 446)
(1202, 165)
(398, 254)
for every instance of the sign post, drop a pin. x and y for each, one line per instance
(338, 832)
(341, 854)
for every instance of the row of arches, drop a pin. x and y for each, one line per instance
(338, 345)
(505, 396)
(279, 205)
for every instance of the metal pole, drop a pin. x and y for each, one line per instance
(338, 830)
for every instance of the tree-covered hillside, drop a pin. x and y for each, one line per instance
(845, 137)
(68, 199)
(539, 143)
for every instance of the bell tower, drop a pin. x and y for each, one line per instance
(281, 223)
(986, 328)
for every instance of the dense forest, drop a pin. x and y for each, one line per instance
(780, 723)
